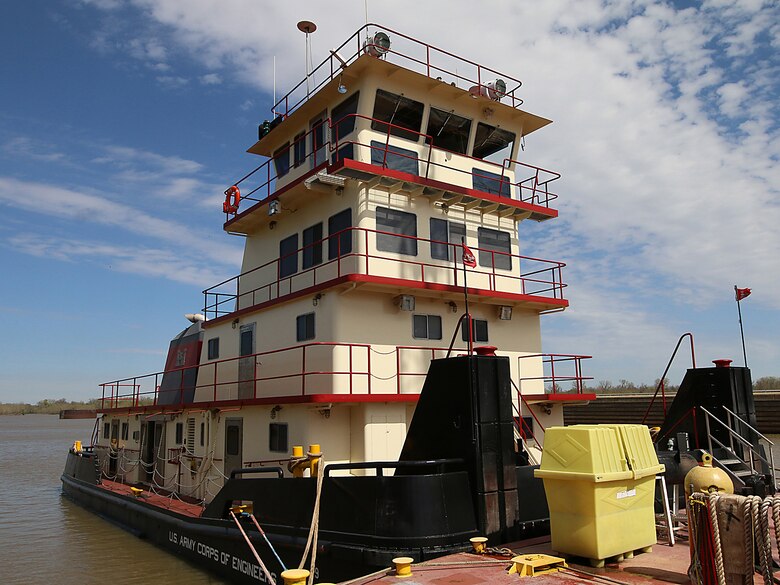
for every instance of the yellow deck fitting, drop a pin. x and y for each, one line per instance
(403, 566)
(77, 447)
(136, 491)
(295, 576)
(478, 543)
(533, 565)
(238, 509)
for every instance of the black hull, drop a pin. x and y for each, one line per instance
(214, 545)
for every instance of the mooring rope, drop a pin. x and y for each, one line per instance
(720, 572)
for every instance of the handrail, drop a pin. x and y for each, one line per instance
(661, 385)
(548, 286)
(378, 466)
(553, 378)
(745, 443)
(333, 143)
(331, 67)
(244, 470)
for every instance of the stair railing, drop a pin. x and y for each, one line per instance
(753, 454)
(660, 387)
(768, 444)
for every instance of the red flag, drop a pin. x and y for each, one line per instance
(469, 259)
(742, 293)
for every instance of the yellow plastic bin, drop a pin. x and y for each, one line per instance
(600, 486)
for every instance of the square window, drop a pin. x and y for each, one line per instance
(394, 158)
(312, 246)
(443, 231)
(448, 131)
(492, 183)
(340, 234)
(277, 437)
(399, 112)
(396, 222)
(213, 348)
(494, 248)
(288, 256)
(304, 327)
(492, 143)
(282, 160)
(479, 330)
(426, 326)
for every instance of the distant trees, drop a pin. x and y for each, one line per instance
(626, 387)
(767, 383)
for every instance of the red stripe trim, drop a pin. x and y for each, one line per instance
(308, 399)
(391, 282)
(533, 398)
(409, 178)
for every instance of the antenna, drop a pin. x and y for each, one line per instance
(307, 27)
(365, 4)
(274, 109)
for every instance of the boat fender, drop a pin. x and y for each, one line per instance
(232, 199)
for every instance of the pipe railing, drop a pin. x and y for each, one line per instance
(533, 187)
(661, 387)
(405, 51)
(557, 368)
(543, 278)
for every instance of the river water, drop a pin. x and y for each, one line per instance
(46, 539)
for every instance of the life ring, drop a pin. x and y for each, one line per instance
(232, 199)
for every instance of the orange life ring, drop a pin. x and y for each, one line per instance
(232, 199)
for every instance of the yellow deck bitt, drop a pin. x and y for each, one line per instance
(536, 564)
(136, 491)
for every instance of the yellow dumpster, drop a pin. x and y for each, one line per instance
(600, 486)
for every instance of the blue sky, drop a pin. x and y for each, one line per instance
(121, 122)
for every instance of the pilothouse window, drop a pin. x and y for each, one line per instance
(448, 131)
(493, 143)
(399, 112)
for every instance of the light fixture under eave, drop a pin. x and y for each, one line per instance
(342, 88)
(505, 313)
(405, 302)
(273, 208)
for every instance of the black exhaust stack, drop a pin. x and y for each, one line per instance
(465, 412)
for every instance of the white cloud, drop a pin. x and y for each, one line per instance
(23, 146)
(172, 81)
(211, 79)
(89, 208)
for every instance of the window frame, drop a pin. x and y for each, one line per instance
(212, 348)
(339, 237)
(281, 158)
(288, 257)
(436, 244)
(312, 250)
(275, 444)
(395, 231)
(447, 115)
(503, 260)
(299, 149)
(416, 317)
(309, 329)
(402, 126)
(476, 327)
(490, 129)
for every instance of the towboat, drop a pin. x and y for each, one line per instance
(372, 385)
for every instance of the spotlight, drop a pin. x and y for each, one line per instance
(378, 46)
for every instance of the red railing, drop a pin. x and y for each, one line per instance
(405, 51)
(533, 187)
(661, 387)
(539, 278)
(557, 369)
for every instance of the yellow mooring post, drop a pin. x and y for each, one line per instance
(403, 566)
(295, 576)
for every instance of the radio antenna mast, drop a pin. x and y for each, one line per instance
(307, 27)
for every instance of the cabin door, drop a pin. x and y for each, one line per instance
(247, 377)
(159, 454)
(147, 450)
(234, 444)
(319, 127)
(113, 454)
